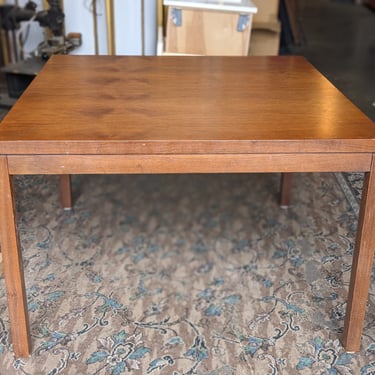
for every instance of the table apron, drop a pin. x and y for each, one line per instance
(201, 163)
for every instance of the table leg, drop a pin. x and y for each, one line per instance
(361, 267)
(285, 189)
(66, 192)
(13, 268)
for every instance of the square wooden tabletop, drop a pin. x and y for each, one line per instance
(126, 105)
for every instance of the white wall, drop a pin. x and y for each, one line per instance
(128, 27)
(79, 18)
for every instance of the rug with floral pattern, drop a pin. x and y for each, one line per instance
(187, 274)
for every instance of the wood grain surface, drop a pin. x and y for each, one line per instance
(122, 105)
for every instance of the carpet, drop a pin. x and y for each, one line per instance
(188, 274)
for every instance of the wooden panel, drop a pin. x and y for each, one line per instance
(207, 33)
(13, 268)
(362, 266)
(75, 164)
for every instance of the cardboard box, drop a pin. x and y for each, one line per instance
(268, 10)
(264, 42)
(209, 28)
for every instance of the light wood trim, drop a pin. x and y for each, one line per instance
(73, 147)
(362, 266)
(215, 163)
(13, 268)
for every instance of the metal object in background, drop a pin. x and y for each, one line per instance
(110, 27)
(20, 74)
(95, 23)
(243, 22)
(143, 26)
(176, 14)
(52, 19)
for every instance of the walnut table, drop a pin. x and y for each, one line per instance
(106, 114)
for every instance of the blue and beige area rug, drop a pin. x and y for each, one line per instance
(188, 274)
